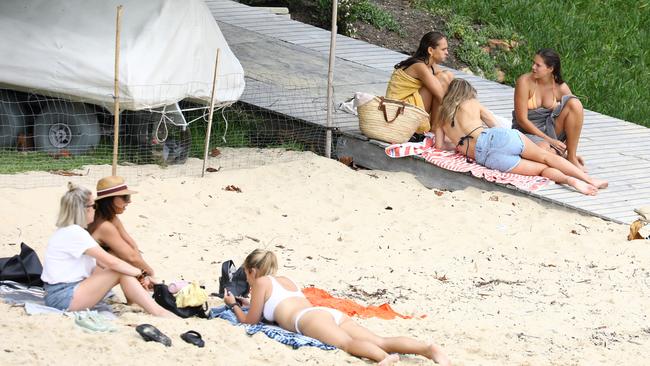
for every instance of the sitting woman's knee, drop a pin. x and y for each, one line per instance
(446, 77)
(575, 104)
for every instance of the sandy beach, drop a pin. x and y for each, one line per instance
(502, 279)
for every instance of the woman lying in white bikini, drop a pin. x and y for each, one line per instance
(278, 299)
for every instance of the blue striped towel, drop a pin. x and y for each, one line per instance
(283, 336)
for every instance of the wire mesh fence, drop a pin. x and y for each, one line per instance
(67, 135)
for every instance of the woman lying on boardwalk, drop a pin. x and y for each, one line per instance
(278, 299)
(470, 126)
(546, 110)
(419, 80)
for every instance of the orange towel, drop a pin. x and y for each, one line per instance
(320, 297)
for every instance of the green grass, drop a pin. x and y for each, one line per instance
(247, 127)
(351, 11)
(369, 13)
(604, 45)
(13, 162)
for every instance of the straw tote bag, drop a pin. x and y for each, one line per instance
(389, 120)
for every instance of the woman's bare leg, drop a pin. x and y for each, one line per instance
(570, 121)
(93, 289)
(402, 345)
(529, 167)
(429, 103)
(320, 324)
(535, 153)
(134, 291)
(445, 78)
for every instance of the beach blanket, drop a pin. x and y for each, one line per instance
(457, 162)
(33, 299)
(283, 336)
(16, 293)
(319, 297)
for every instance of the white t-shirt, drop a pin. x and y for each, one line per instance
(65, 260)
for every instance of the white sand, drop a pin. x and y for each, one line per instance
(566, 288)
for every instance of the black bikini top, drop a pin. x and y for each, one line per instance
(462, 140)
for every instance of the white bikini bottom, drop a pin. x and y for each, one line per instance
(337, 315)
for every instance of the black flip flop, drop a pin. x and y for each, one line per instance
(151, 333)
(193, 337)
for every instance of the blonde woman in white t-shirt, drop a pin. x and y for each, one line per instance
(77, 272)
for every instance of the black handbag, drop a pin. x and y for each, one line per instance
(166, 299)
(23, 268)
(233, 279)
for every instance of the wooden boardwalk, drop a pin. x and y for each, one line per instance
(286, 71)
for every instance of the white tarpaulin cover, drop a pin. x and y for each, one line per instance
(67, 48)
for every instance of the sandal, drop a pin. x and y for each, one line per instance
(93, 321)
(151, 333)
(193, 337)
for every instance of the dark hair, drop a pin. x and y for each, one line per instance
(430, 39)
(104, 208)
(552, 59)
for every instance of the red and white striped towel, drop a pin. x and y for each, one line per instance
(456, 162)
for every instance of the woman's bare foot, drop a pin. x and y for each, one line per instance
(389, 360)
(437, 354)
(599, 183)
(582, 187)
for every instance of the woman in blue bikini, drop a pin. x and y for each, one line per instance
(278, 299)
(470, 126)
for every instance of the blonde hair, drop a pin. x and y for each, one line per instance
(73, 206)
(459, 91)
(264, 261)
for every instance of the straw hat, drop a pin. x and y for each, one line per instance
(112, 186)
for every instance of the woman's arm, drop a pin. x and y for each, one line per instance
(487, 116)
(423, 73)
(109, 235)
(440, 137)
(564, 90)
(111, 262)
(258, 295)
(123, 233)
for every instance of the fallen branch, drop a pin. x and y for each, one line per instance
(498, 282)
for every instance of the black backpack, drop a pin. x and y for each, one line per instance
(23, 268)
(233, 279)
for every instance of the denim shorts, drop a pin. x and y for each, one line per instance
(59, 295)
(499, 148)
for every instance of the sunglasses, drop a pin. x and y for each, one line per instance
(126, 197)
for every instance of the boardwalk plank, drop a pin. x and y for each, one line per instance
(295, 74)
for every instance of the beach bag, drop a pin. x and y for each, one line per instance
(23, 268)
(234, 279)
(191, 295)
(389, 120)
(164, 298)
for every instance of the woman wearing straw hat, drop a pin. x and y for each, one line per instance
(113, 196)
(72, 279)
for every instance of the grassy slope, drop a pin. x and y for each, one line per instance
(604, 44)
